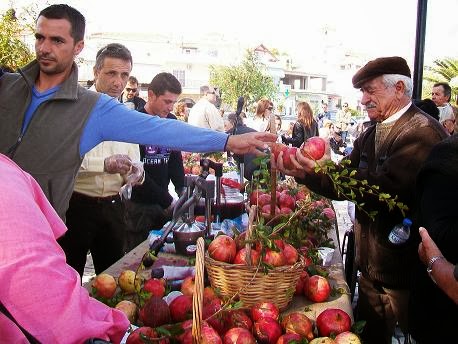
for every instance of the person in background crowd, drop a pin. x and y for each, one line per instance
(278, 124)
(441, 95)
(236, 127)
(388, 154)
(181, 111)
(204, 113)
(96, 214)
(428, 106)
(151, 204)
(41, 292)
(436, 212)
(129, 95)
(323, 115)
(326, 130)
(261, 120)
(304, 128)
(343, 118)
(337, 145)
(50, 147)
(447, 119)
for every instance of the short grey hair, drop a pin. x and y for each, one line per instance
(204, 90)
(389, 80)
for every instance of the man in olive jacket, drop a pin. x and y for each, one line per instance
(388, 154)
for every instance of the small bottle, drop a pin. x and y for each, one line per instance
(400, 233)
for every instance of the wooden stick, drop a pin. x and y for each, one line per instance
(273, 173)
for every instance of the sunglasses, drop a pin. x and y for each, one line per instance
(213, 92)
(270, 108)
(128, 89)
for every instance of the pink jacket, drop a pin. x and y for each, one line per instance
(39, 289)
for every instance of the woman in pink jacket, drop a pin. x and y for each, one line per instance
(39, 290)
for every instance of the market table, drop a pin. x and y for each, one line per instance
(299, 303)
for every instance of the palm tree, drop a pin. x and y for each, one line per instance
(443, 70)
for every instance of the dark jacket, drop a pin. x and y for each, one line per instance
(433, 315)
(393, 169)
(49, 148)
(161, 165)
(139, 103)
(300, 134)
(247, 159)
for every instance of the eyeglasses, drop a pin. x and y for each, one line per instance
(270, 108)
(128, 89)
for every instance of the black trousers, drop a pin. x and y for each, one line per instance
(95, 224)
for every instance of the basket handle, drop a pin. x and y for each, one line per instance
(249, 232)
(198, 295)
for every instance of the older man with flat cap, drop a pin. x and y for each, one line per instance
(388, 154)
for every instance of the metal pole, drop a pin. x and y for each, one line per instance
(419, 49)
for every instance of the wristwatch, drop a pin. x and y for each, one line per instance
(429, 269)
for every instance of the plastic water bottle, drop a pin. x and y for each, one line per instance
(401, 232)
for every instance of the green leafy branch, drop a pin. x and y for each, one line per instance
(349, 187)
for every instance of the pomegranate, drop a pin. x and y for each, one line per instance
(216, 321)
(291, 255)
(277, 148)
(329, 213)
(317, 288)
(323, 340)
(155, 286)
(347, 338)
(300, 283)
(273, 258)
(144, 335)
(208, 335)
(129, 281)
(286, 211)
(289, 338)
(286, 200)
(129, 309)
(280, 244)
(209, 294)
(222, 248)
(104, 285)
(181, 308)
(187, 286)
(298, 323)
(238, 318)
(266, 210)
(333, 321)
(240, 257)
(264, 310)
(263, 199)
(287, 163)
(238, 335)
(155, 312)
(186, 336)
(267, 330)
(240, 240)
(314, 148)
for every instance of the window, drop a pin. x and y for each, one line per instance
(180, 75)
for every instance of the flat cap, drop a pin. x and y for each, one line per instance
(380, 66)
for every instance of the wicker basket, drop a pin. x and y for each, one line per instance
(250, 283)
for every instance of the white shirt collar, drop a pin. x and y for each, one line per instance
(398, 114)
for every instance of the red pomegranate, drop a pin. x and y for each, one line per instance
(222, 248)
(238, 335)
(317, 288)
(333, 321)
(264, 310)
(267, 330)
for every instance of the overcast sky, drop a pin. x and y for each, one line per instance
(376, 28)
